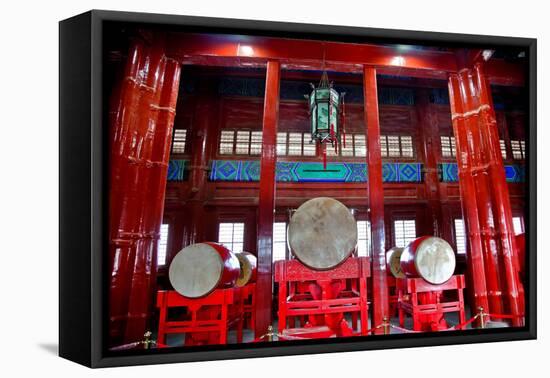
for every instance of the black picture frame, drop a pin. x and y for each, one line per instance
(83, 192)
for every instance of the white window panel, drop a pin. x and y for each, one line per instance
(295, 144)
(360, 145)
(162, 244)
(393, 146)
(178, 143)
(460, 236)
(256, 143)
(517, 150)
(383, 146)
(363, 238)
(348, 150)
(281, 144)
(407, 146)
(243, 143)
(231, 235)
(523, 151)
(503, 148)
(310, 147)
(446, 149)
(518, 225)
(279, 241)
(405, 232)
(227, 142)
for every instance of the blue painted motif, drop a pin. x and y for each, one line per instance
(176, 170)
(249, 171)
(514, 173)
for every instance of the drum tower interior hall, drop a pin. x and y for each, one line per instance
(224, 140)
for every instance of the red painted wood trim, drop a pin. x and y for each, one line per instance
(376, 198)
(266, 202)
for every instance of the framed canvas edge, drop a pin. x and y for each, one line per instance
(99, 220)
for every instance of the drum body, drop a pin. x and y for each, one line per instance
(393, 262)
(430, 258)
(248, 264)
(200, 268)
(322, 233)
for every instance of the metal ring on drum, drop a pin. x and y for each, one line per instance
(322, 233)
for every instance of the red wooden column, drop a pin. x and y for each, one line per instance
(203, 144)
(266, 203)
(429, 133)
(160, 127)
(501, 197)
(139, 128)
(478, 170)
(376, 199)
(474, 255)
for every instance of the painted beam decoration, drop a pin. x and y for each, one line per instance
(514, 173)
(176, 170)
(249, 170)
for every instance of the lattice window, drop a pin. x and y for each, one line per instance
(518, 149)
(295, 141)
(396, 146)
(179, 141)
(256, 143)
(232, 236)
(162, 244)
(518, 225)
(503, 148)
(279, 241)
(242, 147)
(281, 143)
(310, 147)
(348, 150)
(360, 145)
(363, 238)
(460, 236)
(404, 231)
(407, 146)
(227, 142)
(448, 146)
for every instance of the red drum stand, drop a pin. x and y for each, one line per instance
(326, 300)
(207, 320)
(392, 294)
(424, 302)
(249, 304)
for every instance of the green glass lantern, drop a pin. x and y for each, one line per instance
(325, 109)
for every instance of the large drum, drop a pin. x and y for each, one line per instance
(199, 269)
(393, 262)
(430, 258)
(322, 233)
(248, 263)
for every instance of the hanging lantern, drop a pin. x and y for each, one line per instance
(326, 106)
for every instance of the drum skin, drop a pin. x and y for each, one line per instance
(430, 258)
(322, 233)
(393, 262)
(199, 269)
(248, 264)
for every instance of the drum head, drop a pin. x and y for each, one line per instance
(322, 233)
(435, 260)
(246, 266)
(196, 270)
(393, 259)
